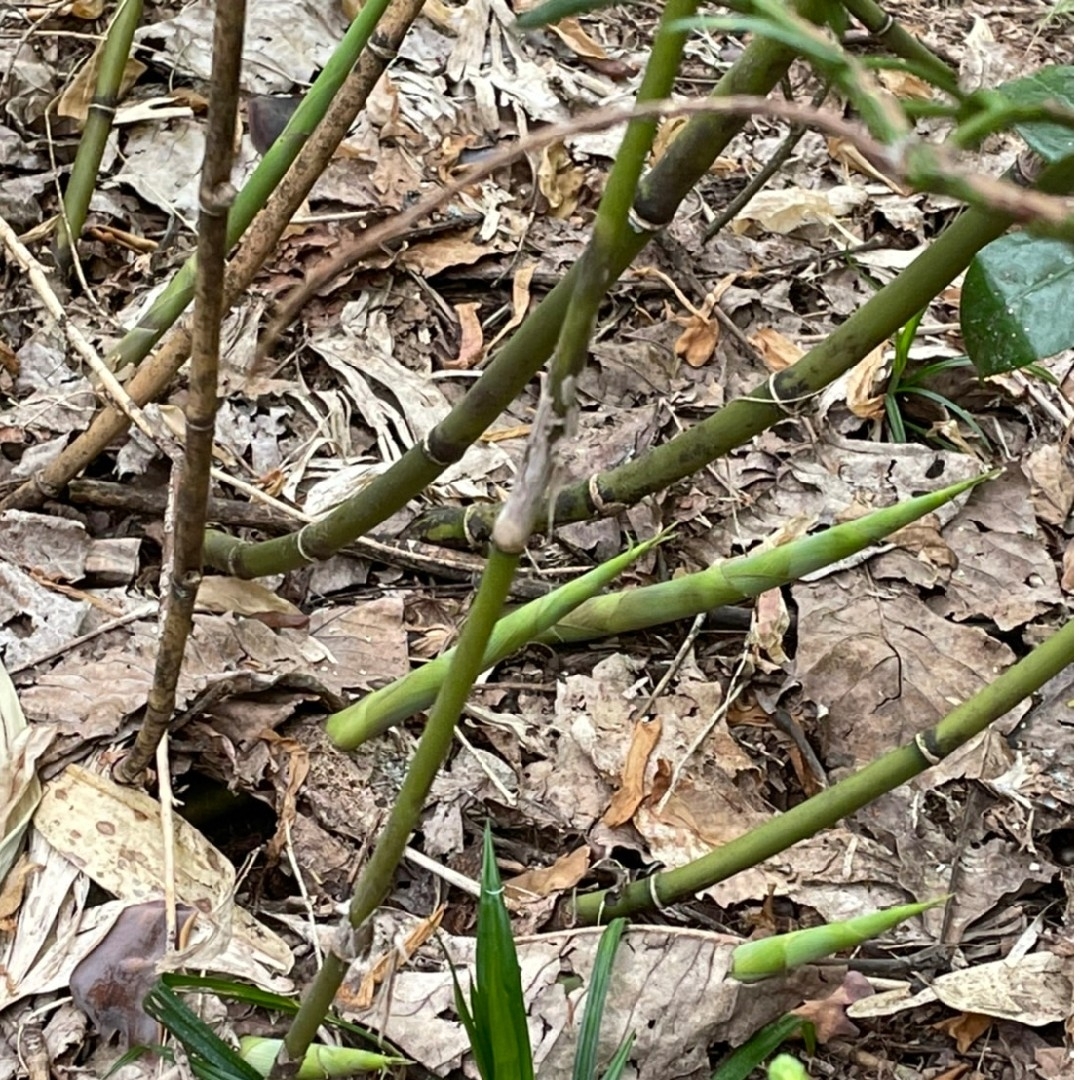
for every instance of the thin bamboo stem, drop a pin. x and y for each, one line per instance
(824, 810)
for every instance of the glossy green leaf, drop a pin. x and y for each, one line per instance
(1052, 142)
(1016, 306)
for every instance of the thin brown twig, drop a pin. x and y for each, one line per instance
(39, 280)
(893, 160)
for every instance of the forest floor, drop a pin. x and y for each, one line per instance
(726, 719)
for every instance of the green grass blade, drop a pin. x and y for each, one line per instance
(895, 418)
(948, 405)
(210, 1057)
(498, 1002)
(622, 1055)
(740, 1063)
(589, 1036)
(928, 371)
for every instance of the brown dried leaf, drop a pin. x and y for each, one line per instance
(632, 788)
(965, 1028)
(777, 351)
(697, 342)
(575, 38)
(829, 1014)
(472, 337)
(563, 874)
(559, 180)
(863, 382)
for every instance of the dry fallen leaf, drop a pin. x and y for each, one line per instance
(697, 342)
(1036, 989)
(472, 337)
(863, 382)
(778, 351)
(573, 35)
(559, 180)
(632, 788)
(563, 874)
(113, 834)
(965, 1028)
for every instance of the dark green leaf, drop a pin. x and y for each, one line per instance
(741, 1063)
(1016, 305)
(1052, 142)
(589, 1036)
(210, 1058)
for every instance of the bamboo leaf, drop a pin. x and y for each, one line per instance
(589, 1036)
(498, 1002)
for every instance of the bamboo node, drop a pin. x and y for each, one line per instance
(921, 741)
(642, 225)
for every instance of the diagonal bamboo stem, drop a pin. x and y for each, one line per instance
(827, 808)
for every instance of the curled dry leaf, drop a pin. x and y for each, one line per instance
(778, 352)
(110, 982)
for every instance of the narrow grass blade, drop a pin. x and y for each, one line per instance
(498, 1003)
(589, 1036)
(622, 1056)
(209, 1056)
(740, 1063)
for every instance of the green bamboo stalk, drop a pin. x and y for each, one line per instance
(734, 580)
(169, 306)
(691, 154)
(879, 110)
(904, 44)
(407, 696)
(762, 959)
(825, 809)
(434, 744)
(633, 609)
(772, 400)
(114, 56)
(593, 274)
